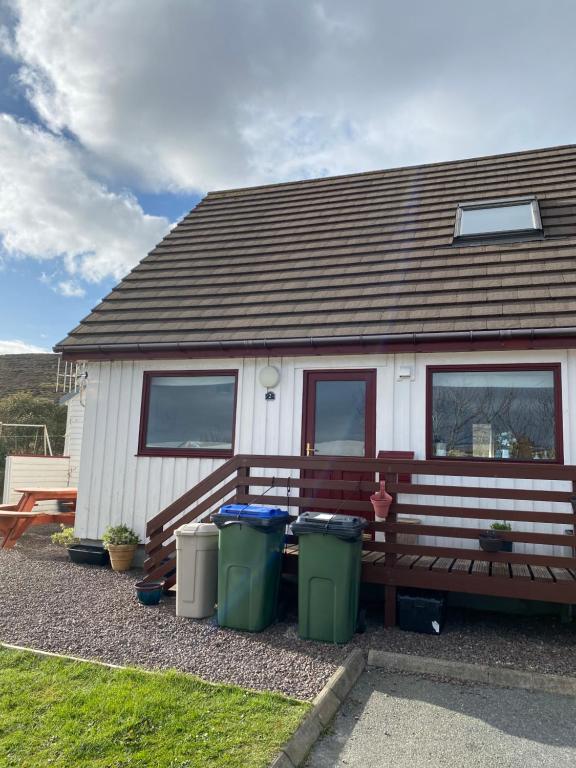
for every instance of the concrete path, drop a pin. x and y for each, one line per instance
(406, 721)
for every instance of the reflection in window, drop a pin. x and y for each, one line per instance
(340, 418)
(494, 415)
(498, 217)
(190, 413)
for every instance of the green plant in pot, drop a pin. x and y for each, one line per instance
(503, 526)
(492, 541)
(64, 537)
(121, 543)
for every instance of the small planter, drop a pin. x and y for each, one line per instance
(149, 593)
(88, 554)
(490, 542)
(121, 556)
(381, 502)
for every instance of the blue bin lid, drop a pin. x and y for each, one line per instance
(254, 514)
(253, 510)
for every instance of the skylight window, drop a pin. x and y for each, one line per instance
(498, 218)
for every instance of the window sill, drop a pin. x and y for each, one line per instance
(185, 454)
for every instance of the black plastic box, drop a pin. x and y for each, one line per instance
(421, 611)
(88, 554)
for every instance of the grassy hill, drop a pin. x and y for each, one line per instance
(28, 373)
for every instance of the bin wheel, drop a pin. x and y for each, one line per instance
(361, 622)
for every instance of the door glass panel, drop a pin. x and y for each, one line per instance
(340, 418)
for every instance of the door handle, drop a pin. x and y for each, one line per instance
(310, 450)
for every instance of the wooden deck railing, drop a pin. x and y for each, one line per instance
(392, 563)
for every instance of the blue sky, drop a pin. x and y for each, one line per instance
(33, 312)
(115, 118)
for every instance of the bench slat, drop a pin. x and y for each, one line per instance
(561, 574)
(520, 571)
(481, 568)
(501, 569)
(461, 566)
(473, 554)
(541, 573)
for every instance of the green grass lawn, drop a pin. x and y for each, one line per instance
(65, 714)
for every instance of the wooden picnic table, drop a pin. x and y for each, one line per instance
(15, 519)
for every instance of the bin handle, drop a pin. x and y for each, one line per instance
(339, 507)
(254, 499)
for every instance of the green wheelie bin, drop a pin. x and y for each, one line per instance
(329, 562)
(249, 564)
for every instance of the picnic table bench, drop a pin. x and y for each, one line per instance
(15, 519)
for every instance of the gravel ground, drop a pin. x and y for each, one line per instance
(48, 603)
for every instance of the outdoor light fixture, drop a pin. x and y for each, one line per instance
(269, 376)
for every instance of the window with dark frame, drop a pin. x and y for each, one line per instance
(495, 219)
(188, 414)
(502, 413)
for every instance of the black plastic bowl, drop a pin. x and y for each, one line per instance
(149, 593)
(88, 554)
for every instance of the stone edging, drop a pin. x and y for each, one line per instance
(325, 706)
(502, 677)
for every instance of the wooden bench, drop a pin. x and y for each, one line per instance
(15, 519)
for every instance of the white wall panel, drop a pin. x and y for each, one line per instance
(35, 472)
(117, 485)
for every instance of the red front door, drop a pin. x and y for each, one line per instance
(339, 420)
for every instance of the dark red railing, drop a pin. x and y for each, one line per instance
(391, 562)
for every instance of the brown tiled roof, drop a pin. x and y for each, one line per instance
(353, 256)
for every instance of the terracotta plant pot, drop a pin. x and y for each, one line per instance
(121, 556)
(381, 501)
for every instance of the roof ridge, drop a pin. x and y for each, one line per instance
(379, 171)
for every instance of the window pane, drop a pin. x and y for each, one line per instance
(340, 418)
(191, 412)
(504, 218)
(494, 415)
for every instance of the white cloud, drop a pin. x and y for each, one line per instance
(191, 95)
(15, 347)
(188, 95)
(70, 289)
(51, 208)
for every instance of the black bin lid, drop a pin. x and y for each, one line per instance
(347, 527)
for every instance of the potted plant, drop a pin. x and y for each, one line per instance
(492, 541)
(64, 537)
(503, 526)
(84, 554)
(121, 543)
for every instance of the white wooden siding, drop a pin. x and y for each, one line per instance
(117, 485)
(73, 438)
(35, 472)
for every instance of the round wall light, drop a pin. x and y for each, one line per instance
(269, 376)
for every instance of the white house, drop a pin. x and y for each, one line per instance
(429, 309)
